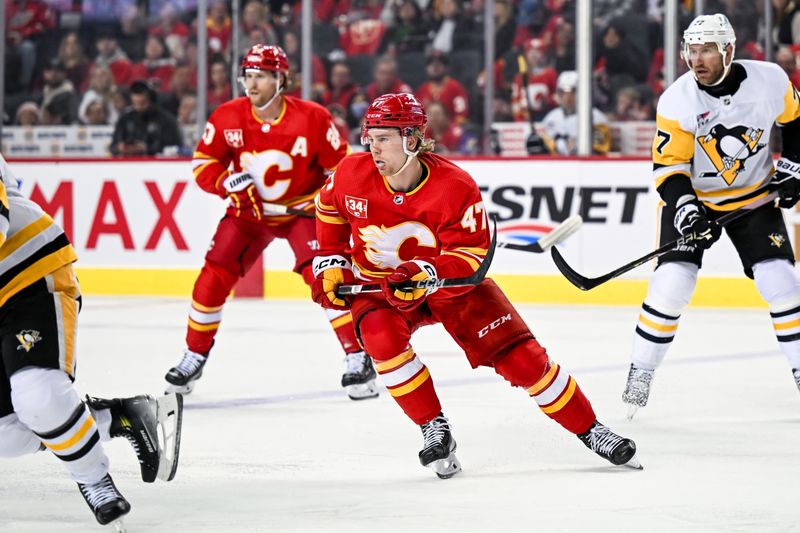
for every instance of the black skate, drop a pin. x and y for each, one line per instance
(637, 389)
(182, 378)
(438, 450)
(105, 501)
(359, 376)
(138, 419)
(610, 446)
(796, 374)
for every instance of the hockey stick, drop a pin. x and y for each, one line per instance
(557, 235)
(278, 209)
(474, 279)
(584, 283)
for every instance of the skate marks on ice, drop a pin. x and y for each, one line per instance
(271, 443)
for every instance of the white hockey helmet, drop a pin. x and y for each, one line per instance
(567, 81)
(715, 29)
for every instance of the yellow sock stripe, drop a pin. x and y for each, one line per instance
(787, 325)
(341, 321)
(545, 381)
(84, 429)
(395, 361)
(411, 385)
(203, 327)
(204, 308)
(564, 398)
(658, 327)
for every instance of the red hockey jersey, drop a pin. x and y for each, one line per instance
(450, 93)
(288, 159)
(442, 218)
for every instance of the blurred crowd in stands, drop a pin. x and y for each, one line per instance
(99, 62)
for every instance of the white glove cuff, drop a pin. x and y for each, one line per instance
(683, 212)
(237, 182)
(430, 270)
(787, 166)
(324, 262)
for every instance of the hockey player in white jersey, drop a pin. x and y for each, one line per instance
(39, 407)
(710, 156)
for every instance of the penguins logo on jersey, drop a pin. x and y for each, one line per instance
(27, 338)
(729, 148)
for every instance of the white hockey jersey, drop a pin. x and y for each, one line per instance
(722, 144)
(561, 132)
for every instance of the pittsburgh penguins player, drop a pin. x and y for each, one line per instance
(710, 156)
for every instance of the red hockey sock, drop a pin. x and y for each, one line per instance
(342, 324)
(212, 287)
(555, 391)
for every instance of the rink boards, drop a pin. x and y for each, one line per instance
(142, 228)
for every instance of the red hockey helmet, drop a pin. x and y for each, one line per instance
(270, 58)
(402, 111)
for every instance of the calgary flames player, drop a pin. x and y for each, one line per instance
(280, 149)
(413, 215)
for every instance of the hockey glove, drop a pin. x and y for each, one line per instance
(691, 220)
(408, 299)
(244, 196)
(787, 182)
(330, 271)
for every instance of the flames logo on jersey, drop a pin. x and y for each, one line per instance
(259, 164)
(729, 148)
(382, 244)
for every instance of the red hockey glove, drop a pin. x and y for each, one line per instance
(244, 196)
(408, 299)
(330, 271)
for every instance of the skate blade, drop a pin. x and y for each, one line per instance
(362, 391)
(634, 463)
(631, 411)
(180, 389)
(446, 468)
(118, 526)
(169, 414)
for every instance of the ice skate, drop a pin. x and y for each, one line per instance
(796, 374)
(637, 389)
(106, 502)
(610, 446)
(139, 419)
(183, 377)
(359, 377)
(439, 448)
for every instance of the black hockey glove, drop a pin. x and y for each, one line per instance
(787, 182)
(691, 219)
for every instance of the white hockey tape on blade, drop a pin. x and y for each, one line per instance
(561, 232)
(274, 208)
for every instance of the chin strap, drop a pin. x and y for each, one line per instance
(409, 156)
(278, 92)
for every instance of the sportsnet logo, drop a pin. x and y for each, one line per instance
(523, 233)
(234, 138)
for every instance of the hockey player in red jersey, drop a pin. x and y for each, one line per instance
(413, 215)
(280, 149)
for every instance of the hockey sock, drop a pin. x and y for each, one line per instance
(411, 385)
(778, 284)
(46, 402)
(342, 324)
(556, 392)
(670, 290)
(212, 287)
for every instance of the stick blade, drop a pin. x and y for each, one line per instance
(561, 232)
(582, 282)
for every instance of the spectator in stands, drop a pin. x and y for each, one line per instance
(97, 113)
(181, 86)
(339, 96)
(71, 55)
(505, 27)
(120, 101)
(787, 22)
(628, 105)
(564, 47)
(607, 10)
(291, 45)
(533, 90)
(786, 59)
(133, 33)
(146, 128)
(59, 97)
(219, 27)
(219, 90)
(442, 88)
(27, 23)
(450, 137)
(561, 124)
(174, 32)
(361, 31)
(255, 24)
(110, 55)
(386, 80)
(27, 114)
(452, 30)
(618, 62)
(101, 87)
(409, 33)
(187, 122)
(157, 67)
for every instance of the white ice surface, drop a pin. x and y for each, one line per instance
(271, 443)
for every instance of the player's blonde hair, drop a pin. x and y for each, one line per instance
(424, 145)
